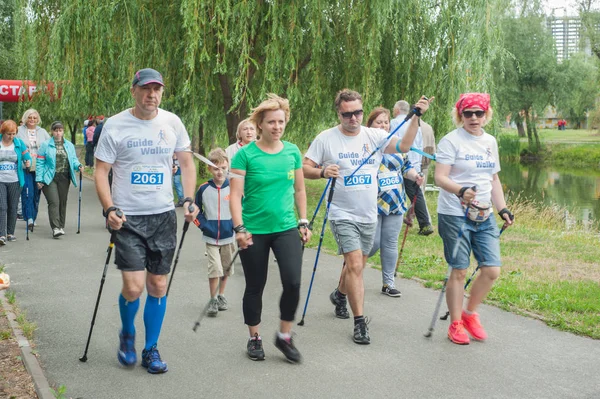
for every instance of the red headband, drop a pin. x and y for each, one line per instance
(469, 100)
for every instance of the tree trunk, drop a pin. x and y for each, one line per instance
(529, 133)
(199, 145)
(520, 129)
(73, 129)
(232, 118)
(537, 137)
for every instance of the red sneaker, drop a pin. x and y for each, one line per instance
(473, 326)
(457, 333)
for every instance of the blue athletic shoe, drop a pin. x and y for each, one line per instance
(151, 360)
(126, 354)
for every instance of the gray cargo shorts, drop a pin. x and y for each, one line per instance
(351, 235)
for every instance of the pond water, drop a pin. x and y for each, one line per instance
(576, 190)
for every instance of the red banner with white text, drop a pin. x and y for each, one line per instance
(22, 90)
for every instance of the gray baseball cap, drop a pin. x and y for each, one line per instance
(147, 76)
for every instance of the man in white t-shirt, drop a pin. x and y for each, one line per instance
(138, 144)
(413, 190)
(353, 209)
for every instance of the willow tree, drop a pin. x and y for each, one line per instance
(220, 57)
(526, 79)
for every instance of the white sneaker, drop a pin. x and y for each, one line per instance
(57, 233)
(62, 231)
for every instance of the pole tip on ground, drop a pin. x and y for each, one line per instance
(301, 322)
(428, 334)
(196, 327)
(83, 359)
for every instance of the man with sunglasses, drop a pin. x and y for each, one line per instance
(413, 190)
(353, 209)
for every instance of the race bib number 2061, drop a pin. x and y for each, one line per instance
(147, 178)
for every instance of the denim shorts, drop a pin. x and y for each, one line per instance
(351, 236)
(481, 238)
(147, 242)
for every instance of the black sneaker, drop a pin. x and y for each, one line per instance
(390, 291)
(426, 230)
(361, 332)
(255, 348)
(288, 349)
(341, 312)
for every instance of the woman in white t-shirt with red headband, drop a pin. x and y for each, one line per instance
(467, 173)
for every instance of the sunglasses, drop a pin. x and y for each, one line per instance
(469, 114)
(348, 115)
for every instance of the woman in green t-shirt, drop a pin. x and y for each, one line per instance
(273, 182)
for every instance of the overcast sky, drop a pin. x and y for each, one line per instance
(561, 7)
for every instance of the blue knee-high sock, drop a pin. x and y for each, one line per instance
(128, 311)
(154, 314)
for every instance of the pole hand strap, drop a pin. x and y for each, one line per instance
(426, 155)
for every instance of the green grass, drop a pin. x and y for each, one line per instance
(568, 148)
(547, 272)
(10, 297)
(562, 136)
(27, 327)
(5, 334)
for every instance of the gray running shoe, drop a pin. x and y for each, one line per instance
(255, 348)
(213, 307)
(341, 312)
(361, 332)
(222, 302)
(287, 347)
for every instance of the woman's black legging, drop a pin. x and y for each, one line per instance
(287, 248)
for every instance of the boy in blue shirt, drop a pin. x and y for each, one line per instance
(216, 224)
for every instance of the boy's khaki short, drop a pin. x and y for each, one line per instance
(219, 260)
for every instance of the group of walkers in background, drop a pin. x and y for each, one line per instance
(32, 162)
(373, 172)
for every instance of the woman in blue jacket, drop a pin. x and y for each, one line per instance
(56, 166)
(13, 152)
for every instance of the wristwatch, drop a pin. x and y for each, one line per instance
(109, 210)
(303, 223)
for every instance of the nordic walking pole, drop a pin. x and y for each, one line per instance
(24, 206)
(79, 210)
(113, 236)
(310, 224)
(197, 324)
(412, 211)
(454, 253)
(414, 111)
(186, 225)
(445, 317)
(329, 198)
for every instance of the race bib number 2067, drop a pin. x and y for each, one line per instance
(359, 182)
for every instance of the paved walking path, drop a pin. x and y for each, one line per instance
(56, 282)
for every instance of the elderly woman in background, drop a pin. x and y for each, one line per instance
(467, 173)
(57, 166)
(391, 204)
(246, 133)
(12, 152)
(33, 136)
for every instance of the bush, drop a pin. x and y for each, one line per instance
(509, 146)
